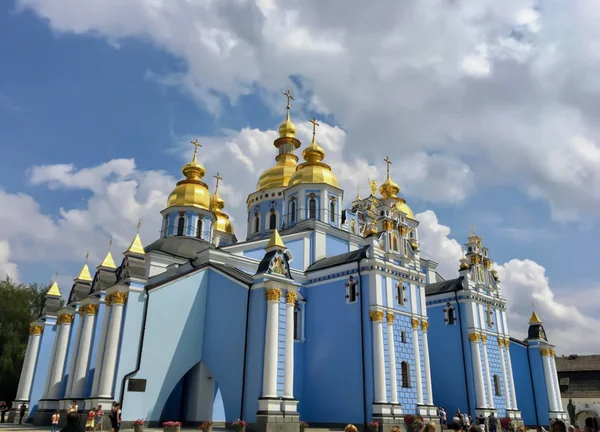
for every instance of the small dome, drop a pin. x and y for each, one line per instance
(389, 188)
(404, 208)
(287, 129)
(313, 170)
(280, 174)
(191, 191)
(222, 223)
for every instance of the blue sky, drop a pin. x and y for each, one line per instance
(82, 90)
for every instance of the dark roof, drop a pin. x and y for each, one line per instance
(235, 273)
(264, 263)
(337, 260)
(445, 286)
(180, 246)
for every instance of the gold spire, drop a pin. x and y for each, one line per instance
(275, 241)
(84, 274)
(389, 188)
(357, 192)
(216, 205)
(136, 246)
(54, 290)
(280, 174)
(313, 170)
(534, 319)
(108, 261)
(191, 191)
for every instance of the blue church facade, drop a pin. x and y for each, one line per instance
(325, 314)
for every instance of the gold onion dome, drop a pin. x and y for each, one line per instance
(280, 174)
(390, 189)
(313, 170)
(191, 191)
(217, 203)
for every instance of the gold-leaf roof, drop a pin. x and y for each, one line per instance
(275, 241)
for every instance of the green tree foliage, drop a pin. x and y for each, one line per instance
(19, 306)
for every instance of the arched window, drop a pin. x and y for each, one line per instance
(497, 385)
(400, 293)
(395, 243)
(180, 225)
(312, 208)
(351, 290)
(451, 316)
(256, 224)
(199, 227)
(272, 221)
(332, 211)
(293, 211)
(405, 375)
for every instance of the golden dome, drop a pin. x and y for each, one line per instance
(404, 208)
(389, 189)
(191, 191)
(287, 129)
(313, 170)
(217, 203)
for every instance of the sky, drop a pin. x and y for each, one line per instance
(488, 111)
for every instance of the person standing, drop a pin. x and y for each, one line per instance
(89, 424)
(99, 415)
(55, 419)
(493, 423)
(443, 418)
(22, 410)
(115, 418)
(2, 411)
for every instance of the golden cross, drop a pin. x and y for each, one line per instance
(196, 144)
(87, 255)
(218, 177)
(315, 124)
(289, 96)
(110, 243)
(388, 162)
(139, 224)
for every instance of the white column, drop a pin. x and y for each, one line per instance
(33, 346)
(52, 358)
(511, 381)
(101, 345)
(288, 380)
(425, 326)
(378, 358)
(271, 343)
(488, 378)
(58, 368)
(476, 357)
(83, 354)
(504, 375)
(392, 358)
(419, 381)
(548, 378)
(556, 383)
(74, 355)
(113, 335)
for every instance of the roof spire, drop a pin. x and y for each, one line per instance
(389, 188)
(357, 191)
(534, 319)
(54, 290)
(196, 144)
(84, 274)
(136, 246)
(287, 128)
(108, 261)
(275, 241)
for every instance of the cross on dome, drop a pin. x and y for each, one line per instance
(196, 144)
(218, 177)
(388, 162)
(315, 124)
(289, 96)
(139, 224)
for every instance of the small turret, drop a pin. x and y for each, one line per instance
(52, 300)
(536, 329)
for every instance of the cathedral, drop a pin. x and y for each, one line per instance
(325, 313)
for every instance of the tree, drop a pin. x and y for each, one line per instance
(19, 305)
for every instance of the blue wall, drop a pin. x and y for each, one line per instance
(335, 246)
(495, 363)
(256, 253)
(404, 352)
(446, 361)
(42, 364)
(523, 384)
(255, 354)
(332, 361)
(296, 247)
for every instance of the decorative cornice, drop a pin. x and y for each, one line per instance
(273, 294)
(376, 316)
(424, 325)
(90, 309)
(107, 300)
(501, 342)
(415, 323)
(67, 318)
(119, 298)
(291, 297)
(36, 330)
(483, 338)
(545, 352)
(390, 318)
(474, 337)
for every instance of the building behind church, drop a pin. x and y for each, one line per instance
(324, 313)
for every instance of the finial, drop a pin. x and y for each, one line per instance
(373, 186)
(388, 162)
(56, 276)
(315, 124)
(357, 191)
(275, 242)
(139, 224)
(87, 255)
(54, 290)
(289, 96)
(110, 243)
(196, 144)
(473, 229)
(218, 177)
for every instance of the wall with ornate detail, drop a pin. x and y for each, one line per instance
(494, 361)
(42, 365)
(448, 380)
(263, 210)
(333, 354)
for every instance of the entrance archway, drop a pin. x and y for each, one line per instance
(196, 398)
(587, 418)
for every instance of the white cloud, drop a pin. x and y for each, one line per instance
(501, 83)
(570, 327)
(7, 268)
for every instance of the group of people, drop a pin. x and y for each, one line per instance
(5, 407)
(93, 421)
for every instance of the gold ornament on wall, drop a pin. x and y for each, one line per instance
(36, 330)
(81, 311)
(415, 323)
(273, 294)
(390, 318)
(107, 300)
(373, 187)
(474, 337)
(90, 309)
(376, 316)
(290, 297)
(483, 338)
(500, 342)
(552, 353)
(424, 325)
(403, 231)
(67, 318)
(545, 352)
